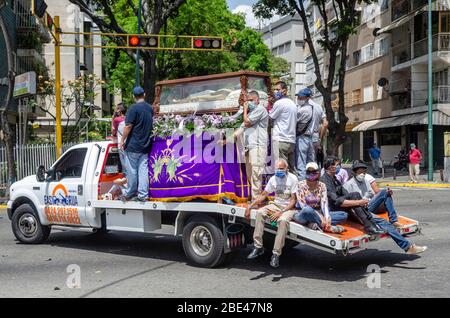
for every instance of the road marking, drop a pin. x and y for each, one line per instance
(415, 185)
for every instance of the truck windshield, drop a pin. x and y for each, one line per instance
(71, 164)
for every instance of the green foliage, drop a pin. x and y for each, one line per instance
(280, 67)
(244, 48)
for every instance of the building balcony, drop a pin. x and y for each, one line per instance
(441, 42)
(401, 54)
(401, 8)
(441, 95)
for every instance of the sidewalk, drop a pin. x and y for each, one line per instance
(402, 179)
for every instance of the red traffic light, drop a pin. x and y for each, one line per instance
(208, 43)
(134, 41)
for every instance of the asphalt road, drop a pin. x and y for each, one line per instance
(154, 265)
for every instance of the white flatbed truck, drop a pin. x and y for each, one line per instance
(70, 193)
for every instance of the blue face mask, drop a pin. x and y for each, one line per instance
(251, 105)
(280, 173)
(338, 168)
(278, 95)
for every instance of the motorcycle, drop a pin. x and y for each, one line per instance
(402, 160)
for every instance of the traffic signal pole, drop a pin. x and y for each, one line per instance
(133, 41)
(58, 88)
(138, 55)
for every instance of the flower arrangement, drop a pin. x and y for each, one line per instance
(168, 125)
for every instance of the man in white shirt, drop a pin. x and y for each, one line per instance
(281, 210)
(311, 125)
(284, 117)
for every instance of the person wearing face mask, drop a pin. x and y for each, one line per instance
(284, 120)
(311, 127)
(366, 186)
(313, 201)
(284, 186)
(339, 199)
(341, 173)
(255, 128)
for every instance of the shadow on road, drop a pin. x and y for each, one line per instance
(302, 261)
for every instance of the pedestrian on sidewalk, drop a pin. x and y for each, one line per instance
(415, 156)
(375, 156)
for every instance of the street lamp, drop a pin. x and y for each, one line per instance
(430, 92)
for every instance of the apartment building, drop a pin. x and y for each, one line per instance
(285, 38)
(402, 118)
(27, 37)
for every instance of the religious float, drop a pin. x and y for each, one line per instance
(187, 161)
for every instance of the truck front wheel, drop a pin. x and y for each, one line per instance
(26, 225)
(203, 241)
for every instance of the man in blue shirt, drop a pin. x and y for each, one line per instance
(136, 141)
(375, 156)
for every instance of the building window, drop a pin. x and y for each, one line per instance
(440, 78)
(300, 68)
(384, 4)
(381, 47)
(367, 53)
(356, 58)
(379, 92)
(347, 100)
(368, 94)
(356, 97)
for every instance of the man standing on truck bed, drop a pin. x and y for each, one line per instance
(136, 141)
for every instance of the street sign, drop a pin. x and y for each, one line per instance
(25, 84)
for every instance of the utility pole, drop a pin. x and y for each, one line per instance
(58, 88)
(430, 92)
(138, 55)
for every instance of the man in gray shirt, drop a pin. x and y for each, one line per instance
(255, 128)
(311, 125)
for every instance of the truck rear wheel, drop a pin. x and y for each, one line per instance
(26, 225)
(203, 241)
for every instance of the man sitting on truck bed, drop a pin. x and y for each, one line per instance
(353, 202)
(281, 210)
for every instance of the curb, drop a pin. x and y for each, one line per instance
(415, 185)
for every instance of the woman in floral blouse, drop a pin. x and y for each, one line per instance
(313, 201)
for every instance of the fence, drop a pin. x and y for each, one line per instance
(27, 158)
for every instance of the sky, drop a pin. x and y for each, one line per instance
(245, 6)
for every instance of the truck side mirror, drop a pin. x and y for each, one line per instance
(40, 174)
(50, 175)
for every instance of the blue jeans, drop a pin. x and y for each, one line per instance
(137, 174)
(308, 215)
(376, 205)
(123, 162)
(402, 242)
(304, 153)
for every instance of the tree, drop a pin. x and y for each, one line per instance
(77, 98)
(155, 14)
(280, 69)
(335, 35)
(244, 48)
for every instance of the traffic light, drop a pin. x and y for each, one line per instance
(207, 43)
(143, 41)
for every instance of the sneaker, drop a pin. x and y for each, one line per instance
(337, 229)
(314, 226)
(275, 261)
(255, 253)
(139, 199)
(414, 249)
(123, 198)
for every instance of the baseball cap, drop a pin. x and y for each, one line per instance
(305, 92)
(312, 166)
(138, 91)
(358, 164)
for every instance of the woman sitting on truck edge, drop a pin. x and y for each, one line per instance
(313, 201)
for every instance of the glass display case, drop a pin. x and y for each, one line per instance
(211, 93)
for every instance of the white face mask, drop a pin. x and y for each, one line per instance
(360, 177)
